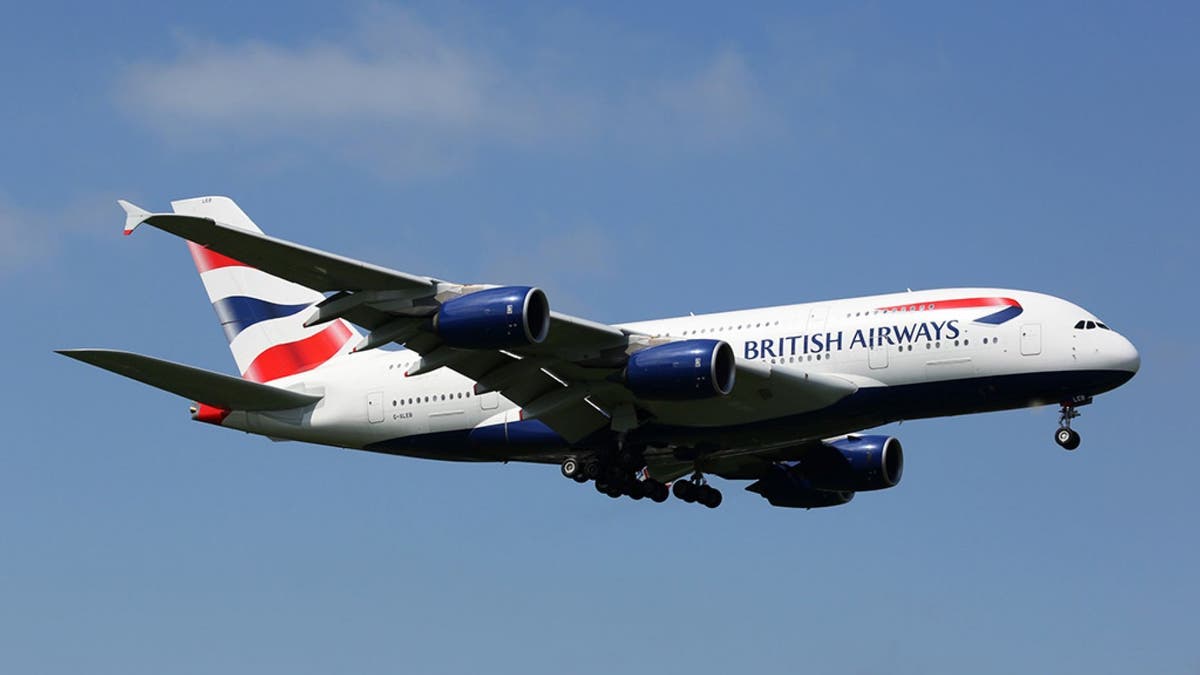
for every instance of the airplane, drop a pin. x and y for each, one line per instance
(779, 396)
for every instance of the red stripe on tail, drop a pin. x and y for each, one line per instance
(297, 357)
(210, 260)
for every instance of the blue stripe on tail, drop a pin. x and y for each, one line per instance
(237, 313)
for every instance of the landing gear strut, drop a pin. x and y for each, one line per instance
(697, 489)
(616, 479)
(1067, 437)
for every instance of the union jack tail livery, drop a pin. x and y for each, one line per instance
(262, 315)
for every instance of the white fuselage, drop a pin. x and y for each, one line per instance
(943, 359)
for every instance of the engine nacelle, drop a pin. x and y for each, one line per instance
(857, 463)
(783, 487)
(682, 371)
(496, 318)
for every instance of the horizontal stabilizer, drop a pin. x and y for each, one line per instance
(204, 386)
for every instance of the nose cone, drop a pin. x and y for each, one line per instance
(1122, 356)
(1125, 356)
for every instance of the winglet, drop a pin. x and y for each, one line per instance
(134, 215)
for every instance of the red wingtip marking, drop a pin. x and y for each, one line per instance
(127, 232)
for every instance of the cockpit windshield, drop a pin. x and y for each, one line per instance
(1090, 325)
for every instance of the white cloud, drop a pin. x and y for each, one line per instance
(23, 241)
(31, 237)
(397, 89)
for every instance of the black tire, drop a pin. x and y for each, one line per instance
(602, 487)
(591, 470)
(1073, 441)
(636, 489)
(570, 467)
(1062, 436)
(580, 478)
(711, 497)
(1067, 438)
(658, 492)
(684, 490)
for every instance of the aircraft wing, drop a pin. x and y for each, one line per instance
(568, 381)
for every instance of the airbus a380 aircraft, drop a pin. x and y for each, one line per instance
(776, 395)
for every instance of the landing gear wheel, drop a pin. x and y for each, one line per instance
(658, 491)
(570, 467)
(684, 491)
(1067, 438)
(710, 497)
(636, 489)
(591, 470)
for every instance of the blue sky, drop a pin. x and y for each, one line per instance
(635, 162)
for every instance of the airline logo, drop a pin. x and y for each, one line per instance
(1002, 309)
(263, 319)
(999, 310)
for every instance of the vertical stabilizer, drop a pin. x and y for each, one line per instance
(262, 315)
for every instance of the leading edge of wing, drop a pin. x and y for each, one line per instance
(301, 264)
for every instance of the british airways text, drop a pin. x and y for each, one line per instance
(867, 338)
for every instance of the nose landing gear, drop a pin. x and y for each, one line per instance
(1067, 437)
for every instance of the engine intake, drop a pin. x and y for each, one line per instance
(682, 371)
(496, 318)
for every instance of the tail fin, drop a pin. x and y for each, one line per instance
(262, 315)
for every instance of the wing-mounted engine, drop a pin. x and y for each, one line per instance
(830, 473)
(681, 371)
(495, 318)
(783, 487)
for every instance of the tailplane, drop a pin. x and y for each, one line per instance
(262, 315)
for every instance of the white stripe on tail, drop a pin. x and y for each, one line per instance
(262, 315)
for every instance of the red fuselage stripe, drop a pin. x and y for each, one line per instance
(960, 303)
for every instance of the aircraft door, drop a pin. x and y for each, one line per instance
(878, 356)
(375, 407)
(1031, 339)
(489, 400)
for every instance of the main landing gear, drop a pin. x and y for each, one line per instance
(696, 490)
(1067, 437)
(616, 479)
(619, 478)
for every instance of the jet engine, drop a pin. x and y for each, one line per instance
(829, 474)
(496, 318)
(682, 371)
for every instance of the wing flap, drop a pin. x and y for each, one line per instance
(196, 384)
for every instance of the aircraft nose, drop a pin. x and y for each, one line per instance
(1125, 356)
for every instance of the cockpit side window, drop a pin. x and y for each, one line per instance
(1100, 325)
